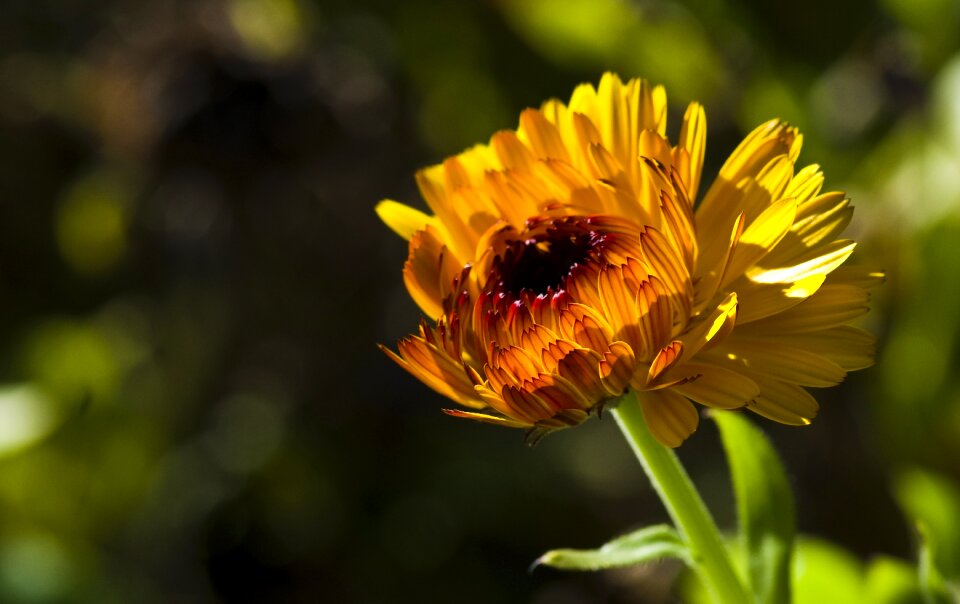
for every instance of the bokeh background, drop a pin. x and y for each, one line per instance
(193, 282)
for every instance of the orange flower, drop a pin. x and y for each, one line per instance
(564, 264)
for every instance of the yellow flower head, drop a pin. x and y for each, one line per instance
(565, 263)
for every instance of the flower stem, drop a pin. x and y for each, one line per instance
(683, 503)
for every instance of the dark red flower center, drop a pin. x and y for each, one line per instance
(540, 263)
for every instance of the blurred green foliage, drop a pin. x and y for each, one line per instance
(193, 281)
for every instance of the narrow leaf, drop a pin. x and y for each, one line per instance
(645, 545)
(764, 506)
(935, 590)
(934, 500)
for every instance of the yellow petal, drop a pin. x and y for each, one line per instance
(775, 176)
(805, 184)
(774, 360)
(758, 301)
(653, 146)
(760, 237)
(785, 403)
(813, 229)
(678, 219)
(830, 306)
(693, 138)
(858, 276)
(716, 324)
(716, 386)
(513, 154)
(402, 219)
(424, 271)
(823, 261)
(614, 122)
(584, 101)
(542, 136)
(770, 144)
(668, 265)
(712, 265)
(849, 347)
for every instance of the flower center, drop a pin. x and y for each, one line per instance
(540, 263)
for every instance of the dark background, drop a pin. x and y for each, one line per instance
(193, 282)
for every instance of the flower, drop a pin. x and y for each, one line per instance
(564, 264)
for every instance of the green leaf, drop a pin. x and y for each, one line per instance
(824, 573)
(891, 581)
(645, 545)
(764, 506)
(934, 500)
(934, 587)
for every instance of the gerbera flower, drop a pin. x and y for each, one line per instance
(564, 264)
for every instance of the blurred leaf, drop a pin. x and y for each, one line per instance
(71, 361)
(664, 43)
(91, 223)
(892, 581)
(764, 506)
(35, 567)
(936, 22)
(26, 416)
(934, 501)
(824, 573)
(931, 581)
(771, 97)
(645, 545)
(272, 29)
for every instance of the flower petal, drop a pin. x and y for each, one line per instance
(849, 347)
(716, 386)
(402, 219)
(784, 403)
(758, 301)
(777, 361)
(429, 266)
(670, 417)
(830, 306)
(711, 327)
(820, 261)
(542, 136)
(760, 237)
(490, 419)
(693, 140)
(436, 369)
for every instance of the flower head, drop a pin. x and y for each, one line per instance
(564, 264)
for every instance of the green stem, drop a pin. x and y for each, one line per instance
(683, 503)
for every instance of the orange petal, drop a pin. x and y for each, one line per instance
(617, 368)
(436, 369)
(490, 419)
(670, 417)
(665, 359)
